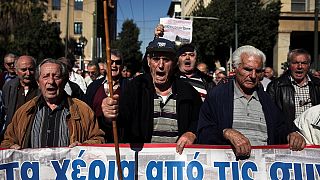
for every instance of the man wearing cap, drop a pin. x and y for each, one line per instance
(156, 107)
(187, 59)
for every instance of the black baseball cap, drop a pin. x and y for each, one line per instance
(161, 45)
(185, 48)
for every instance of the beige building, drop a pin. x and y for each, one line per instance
(81, 17)
(85, 20)
(296, 26)
(296, 29)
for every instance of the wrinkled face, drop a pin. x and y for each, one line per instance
(161, 66)
(249, 72)
(299, 67)
(93, 72)
(9, 65)
(187, 62)
(51, 82)
(25, 70)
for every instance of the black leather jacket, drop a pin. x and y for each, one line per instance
(282, 92)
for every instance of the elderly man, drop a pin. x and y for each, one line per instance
(9, 73)
(52, 119)
(187, 59)
(21, 89)
(269, 73)
(102, 68)
(93, 71)
(156, 107)
(99, 89)
(296, 90)
(241, 113)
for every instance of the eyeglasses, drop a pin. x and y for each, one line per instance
(118, 62)
(26, 69)
(10, 64)
(92, 72)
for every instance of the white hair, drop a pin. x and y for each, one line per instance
(248, 50)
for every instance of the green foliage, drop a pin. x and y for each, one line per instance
(257, 26)
(128, 43)
(27, 32)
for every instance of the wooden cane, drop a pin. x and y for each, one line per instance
(110, 84)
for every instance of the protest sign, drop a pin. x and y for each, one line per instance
(177, 30)
(159, 161)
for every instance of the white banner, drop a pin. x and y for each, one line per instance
(159, 161)
(177, 30)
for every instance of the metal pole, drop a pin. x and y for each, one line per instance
(236, 24)
(67, 30)
(316, 45)
(94, 39)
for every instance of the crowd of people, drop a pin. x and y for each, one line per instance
(175, 100)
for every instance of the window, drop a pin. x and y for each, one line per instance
(78, 28)
(298, 5)
(56, 4)
(78, 5)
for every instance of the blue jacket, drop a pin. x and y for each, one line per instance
(216, 114)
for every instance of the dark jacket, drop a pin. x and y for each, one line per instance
(216, 114)
(76, 91)
(206, 79)
(282, 92)
(9, 96)
(137, 108)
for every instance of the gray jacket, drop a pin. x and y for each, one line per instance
(9, 97)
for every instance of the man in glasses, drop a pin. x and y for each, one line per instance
(93, 71)
(187, 63)
(9, 72)
(156, 107)
(296, 90)
(21, 89)
(99, 89)
(240, 113)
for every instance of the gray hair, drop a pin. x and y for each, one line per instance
(10, 55)
(295, 52)
(248, 50)
(63, 69)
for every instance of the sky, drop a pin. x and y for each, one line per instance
(146, 15)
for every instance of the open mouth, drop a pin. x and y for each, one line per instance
(160, 73)
(51, 89)
(187, 63)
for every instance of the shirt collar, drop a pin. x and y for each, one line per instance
(62, 105)
(238, 94)
(295, 83)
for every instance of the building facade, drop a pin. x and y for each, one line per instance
(83, 22)
(296, 27)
